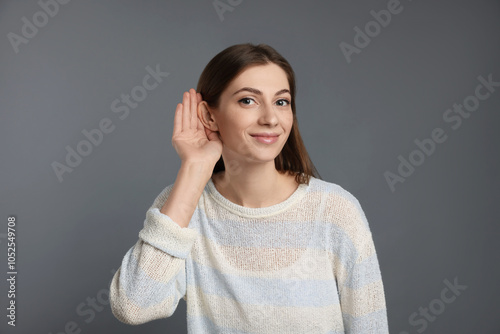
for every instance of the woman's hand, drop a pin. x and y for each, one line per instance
(192, 141)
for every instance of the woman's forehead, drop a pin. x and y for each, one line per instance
(266, 78)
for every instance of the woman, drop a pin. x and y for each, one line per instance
(247, 235)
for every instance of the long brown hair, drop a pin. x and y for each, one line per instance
(224, 67)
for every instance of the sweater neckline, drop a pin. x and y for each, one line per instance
(301, 190)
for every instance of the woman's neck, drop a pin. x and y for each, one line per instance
(255, 188)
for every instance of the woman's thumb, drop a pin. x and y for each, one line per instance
(213, 135)
(210, 134)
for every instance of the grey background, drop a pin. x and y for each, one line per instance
(355, 118)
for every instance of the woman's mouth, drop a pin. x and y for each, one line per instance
(266, 139)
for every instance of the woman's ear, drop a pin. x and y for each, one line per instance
(206, 116)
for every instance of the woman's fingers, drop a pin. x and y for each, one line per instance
(178, 119)
(186, 115)
(194, 108)
(198, 121)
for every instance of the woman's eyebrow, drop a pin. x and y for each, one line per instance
(258, 92)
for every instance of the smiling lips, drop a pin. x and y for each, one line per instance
(266, 137)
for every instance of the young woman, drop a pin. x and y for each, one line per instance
(248, 235)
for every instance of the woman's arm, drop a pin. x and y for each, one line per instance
(361, 290)
(151, 279)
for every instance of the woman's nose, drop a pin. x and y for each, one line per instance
(268, 114)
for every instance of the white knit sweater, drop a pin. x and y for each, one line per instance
(305, 265)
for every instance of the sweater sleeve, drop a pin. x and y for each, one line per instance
(361, 290)
(151, 279)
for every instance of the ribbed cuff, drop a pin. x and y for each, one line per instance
(163, 233)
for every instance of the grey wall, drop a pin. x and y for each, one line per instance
(357, 116)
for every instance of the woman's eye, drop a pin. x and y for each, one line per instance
(245, 100)
(281, 102)
(284, 102)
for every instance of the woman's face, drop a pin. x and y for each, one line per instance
(257, 101)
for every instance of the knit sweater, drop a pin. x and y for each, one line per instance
(305, 265)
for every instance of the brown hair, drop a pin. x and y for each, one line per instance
(224, 67)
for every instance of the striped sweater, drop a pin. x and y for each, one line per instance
(305, 265)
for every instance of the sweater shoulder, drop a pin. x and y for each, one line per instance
(161, 198)
(331, 189)
(341, 205)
